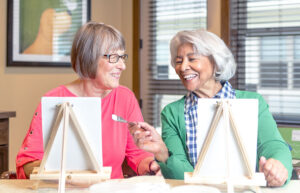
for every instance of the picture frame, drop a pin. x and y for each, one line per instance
(40, 33)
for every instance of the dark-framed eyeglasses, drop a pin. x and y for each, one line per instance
(114, 58)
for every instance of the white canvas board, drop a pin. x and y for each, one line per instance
(88, 113)
(245, 113)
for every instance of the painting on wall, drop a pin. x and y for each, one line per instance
(40, 33)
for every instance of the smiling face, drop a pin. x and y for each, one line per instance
(195, 71)
(108, 74)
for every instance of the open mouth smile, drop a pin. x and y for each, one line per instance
(189, 77)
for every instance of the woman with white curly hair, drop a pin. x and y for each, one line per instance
(205, 64)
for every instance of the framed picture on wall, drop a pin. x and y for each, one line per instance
(40, 33)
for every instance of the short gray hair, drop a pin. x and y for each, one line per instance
(207, 44)
(92, 41)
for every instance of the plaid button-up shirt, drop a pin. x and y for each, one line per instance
(191, 118)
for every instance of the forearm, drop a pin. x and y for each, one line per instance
(162, 155)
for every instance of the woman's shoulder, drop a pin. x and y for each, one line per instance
(250, 95)
(175, 106)
(247, 94)
(123, 90)
(61, 90)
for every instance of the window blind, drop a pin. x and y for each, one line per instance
(165, 18)
(265, 39)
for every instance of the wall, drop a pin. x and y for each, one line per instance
(21, 88)
(214, 16)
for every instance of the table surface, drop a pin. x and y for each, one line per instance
(26, 186)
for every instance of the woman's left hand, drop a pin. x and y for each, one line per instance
(155, 168)
(275, 172)
(149, 166)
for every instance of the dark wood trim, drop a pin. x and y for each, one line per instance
(7, 114)
(225, 21)
(136, 49)
(4, 139)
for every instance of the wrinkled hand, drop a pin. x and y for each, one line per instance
(146, 137)
(275, 172)
(155, 168)
(141, 133)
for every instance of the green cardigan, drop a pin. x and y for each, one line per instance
(269, 141)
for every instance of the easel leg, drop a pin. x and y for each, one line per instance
(240, 143)
(230, 186)
(84, 140)
(208, 139)
(62, 179)
(52, 137)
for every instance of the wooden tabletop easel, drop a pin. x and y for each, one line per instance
(65, 113)
(223, 108)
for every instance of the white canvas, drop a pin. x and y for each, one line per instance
(245, 113)
(88, 113)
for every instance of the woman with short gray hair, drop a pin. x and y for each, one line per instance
(92, 41)
(98, 57)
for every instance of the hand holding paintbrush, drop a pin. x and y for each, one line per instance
(133, 127)
(146, 137)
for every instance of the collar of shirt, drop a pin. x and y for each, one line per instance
(191, 99)
(226, 92)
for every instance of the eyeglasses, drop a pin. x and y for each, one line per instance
(114, 58)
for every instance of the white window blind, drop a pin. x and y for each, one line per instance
(160, 21)
(265, 39)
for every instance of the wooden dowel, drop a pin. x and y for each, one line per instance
(230, 188)
(85, 143)
(240, 143)
(51, 138)
(62, 178)
(208, 138)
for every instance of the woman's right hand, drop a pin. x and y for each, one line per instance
(275, 172)
(148, 139)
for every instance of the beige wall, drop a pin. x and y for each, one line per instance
(21, 88)
(214, 16)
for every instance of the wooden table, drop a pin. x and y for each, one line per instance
(25, 186)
